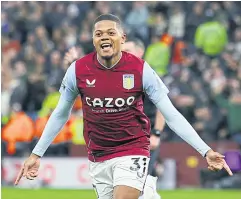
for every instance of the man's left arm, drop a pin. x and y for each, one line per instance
(157, 92)
(180, 125)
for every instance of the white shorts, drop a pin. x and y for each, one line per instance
(128, 170)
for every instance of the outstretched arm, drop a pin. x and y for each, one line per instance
(180, 125)
(157, 92)
(61, 113)
(55, 123)
(57, 120)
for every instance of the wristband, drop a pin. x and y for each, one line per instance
(156, 132)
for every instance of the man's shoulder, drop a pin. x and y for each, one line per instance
(84, 63)
(133, 63)
(87, 59)
(132, 58)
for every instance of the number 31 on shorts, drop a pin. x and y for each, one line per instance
(139, 165)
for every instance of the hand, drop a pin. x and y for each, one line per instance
(70, 56)
(217, 162)
(154, 142)
(198, 126)
(29, 169)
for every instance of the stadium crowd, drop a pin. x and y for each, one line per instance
(202, 69)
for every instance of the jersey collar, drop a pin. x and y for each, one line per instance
(99, 65)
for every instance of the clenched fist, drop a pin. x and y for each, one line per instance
(71, 56)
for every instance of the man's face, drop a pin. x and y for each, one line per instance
(107, 39)
(131, 47)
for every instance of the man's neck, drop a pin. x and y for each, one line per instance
(109, 63)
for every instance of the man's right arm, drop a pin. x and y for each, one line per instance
(61, 114)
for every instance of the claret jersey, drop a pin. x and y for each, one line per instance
(114, 122)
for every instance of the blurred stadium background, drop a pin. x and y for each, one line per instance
(194, 46)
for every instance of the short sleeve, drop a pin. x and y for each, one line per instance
(68, 87)
(152, 84)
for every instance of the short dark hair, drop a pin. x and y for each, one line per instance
(109, 17)
(137, 42)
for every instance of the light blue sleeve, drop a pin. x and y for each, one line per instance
(157, 92)
(55, 123)
(68, 88)
(153, 85)
(176, 121)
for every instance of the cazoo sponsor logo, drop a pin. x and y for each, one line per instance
(112, 105)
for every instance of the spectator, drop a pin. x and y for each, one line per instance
(136, 20)
(57, 73)
(211, 37)
(19, 92)
(177, 22)
(194, 19)
(232, 103)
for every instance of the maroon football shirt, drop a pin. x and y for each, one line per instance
(114, 122)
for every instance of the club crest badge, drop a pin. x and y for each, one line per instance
(128, 81)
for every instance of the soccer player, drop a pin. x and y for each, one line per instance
(157, 121)
(112, 84)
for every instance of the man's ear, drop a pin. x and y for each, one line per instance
(141, 52)
(123, 38)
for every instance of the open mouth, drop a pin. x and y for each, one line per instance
(106, 46)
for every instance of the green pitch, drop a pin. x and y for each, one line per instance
(11, 193)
